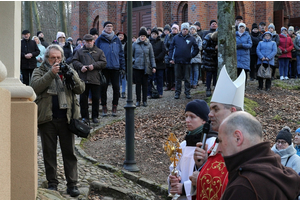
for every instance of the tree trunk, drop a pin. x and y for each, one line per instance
(63, 19)
(226, 38)
(36, 16)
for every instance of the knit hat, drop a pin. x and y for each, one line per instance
(291, 28)
(143, 32)
(105, 23)
(199, 108)
(239, 17)
(70, 39)
(262, 23)
(283, 28)
(175, 26)
(154, 30)
(25, 32)
(285, 134)
(167, 27)
(60, 34)
(298, 130)
(254, 25)
(197, 24)
(242, 24)
(37, 34)
(94, 31)
(212, 21)
(185, 25)
(271, 26)
(194, 27)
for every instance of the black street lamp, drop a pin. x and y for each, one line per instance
(129, 163)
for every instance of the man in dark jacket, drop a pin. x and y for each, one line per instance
(213, 27)
(40, 35)
(29, 52)
(159, 51)
(180, 54)
(111, 45)
(88, 61)
(199, 30)
(255, 172)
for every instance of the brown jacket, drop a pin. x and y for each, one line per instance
(82, 57)
(256, 173)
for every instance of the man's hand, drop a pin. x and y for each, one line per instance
(84, 68)
(90, 67)
(200, 154)
(28, 56)
(172, 62)
(194, 178)
(176, 186)
(55, 68)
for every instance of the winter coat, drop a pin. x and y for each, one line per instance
(29, 46)
(197, 58)
(275, 37)
(297, 147)
(210, 53)
(41, 55)
(82, 58)
(143, 56)
(207, 32)
(168, 40)
(267, 49)
(297, 44)
(180, 49)
(159, 52)
(289, 157)
(243, 53)
(44, 43)
(42, 78)
(285, 43)
(256, 38)
(200, 32)
(257, 173)
(113, 52)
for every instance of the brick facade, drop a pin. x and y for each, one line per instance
(86, 14)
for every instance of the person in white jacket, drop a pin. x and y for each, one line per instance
(285, 149)
(196, 115)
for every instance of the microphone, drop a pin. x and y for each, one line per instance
(206, 129)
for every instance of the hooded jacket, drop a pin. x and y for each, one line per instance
(181, 49)
(267, 49)
(256, 173)
(243, 54)
(143, 56)
(289, 157)
(82, 58)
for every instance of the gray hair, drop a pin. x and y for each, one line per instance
(229, 106)
(33, 38)
(56, 47)
(245, 122)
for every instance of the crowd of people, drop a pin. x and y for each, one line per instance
(167, 57)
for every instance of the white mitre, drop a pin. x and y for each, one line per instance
(228, 92)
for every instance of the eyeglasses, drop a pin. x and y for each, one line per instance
(282, 142)
(54, 58)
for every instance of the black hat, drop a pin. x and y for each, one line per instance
(197, 23)
(148, 29)
(160, 29)
(78, 39)
(154, 30)
(88, 37)
(105, 23)
(37, 34)
(94, 31)
(199, 108)
(212, 21)
(167, 27)
(143, 32)
(285, 134)
(25, 32)
(262, 23)
(239, 17)
(254, 25)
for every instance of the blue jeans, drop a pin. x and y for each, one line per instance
(194, 73)
(283, 66)
(123, 83)
(298, 65)
(158, 78)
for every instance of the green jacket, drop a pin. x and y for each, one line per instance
(40, 82)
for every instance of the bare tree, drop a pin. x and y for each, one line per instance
(36, 15)
(63, 19)
(226, 38)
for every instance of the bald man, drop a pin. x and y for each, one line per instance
(255, 172)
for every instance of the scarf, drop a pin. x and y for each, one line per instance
(285, 35)
(57, 88)
(194, 136)
(108, 36)
(196, 131)
(255, 34)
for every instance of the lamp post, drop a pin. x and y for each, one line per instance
(129, 163)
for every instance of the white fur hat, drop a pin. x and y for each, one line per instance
(60, 34)
(185, 25)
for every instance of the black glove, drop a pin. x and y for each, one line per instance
(122, 73)
(239, 46)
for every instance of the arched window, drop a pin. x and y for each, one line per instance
(96, 23)
(185, 13)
